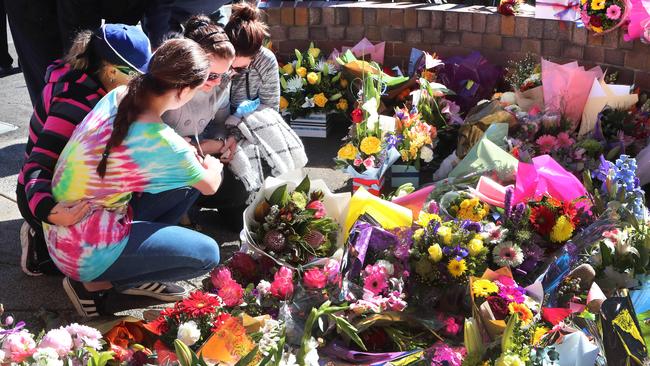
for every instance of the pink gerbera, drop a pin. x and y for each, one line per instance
(375, 283)
(546, 143)
(614, 12)
(564, 140)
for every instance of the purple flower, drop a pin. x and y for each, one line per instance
(433, 207)
(392, 140)
(518, 212)
(507, 203)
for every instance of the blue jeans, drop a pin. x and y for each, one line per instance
(159, 251)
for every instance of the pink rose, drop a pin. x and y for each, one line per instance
(284, 272)
(451, 327)
(231, 293)
(314, 278)
(319, 207)
(282, 288)
(369, 162)
(220, 276)
(19, 346)
(357, 162)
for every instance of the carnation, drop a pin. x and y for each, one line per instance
(231, 293)
(58, 340)
(84, 336)
(426, 154)
(188, 333)
(19, 346)
(220, 276)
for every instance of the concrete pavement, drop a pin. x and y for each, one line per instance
(41, 301)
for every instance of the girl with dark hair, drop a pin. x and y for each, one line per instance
(205, 115)
(97, 62)
(133, 171)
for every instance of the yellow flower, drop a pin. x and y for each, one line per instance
(417, 234)
(404, 154)
(301, 71)
(370, 145)
(344, 83)
(509, 359)
(314, 52)
(342, 104)
(284, 103)
(484, 288)
(524, 313)
(539, 333)
(562, 230)
(288, 69)
(435, 253)
(598, 4)
(583, 2)
(347, 152)
(320, 100)
(445, 233)
(312, 78)
(424, 218)
(457, 267)
(475, 247)
(597, 29)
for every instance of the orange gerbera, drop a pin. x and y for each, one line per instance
(525, 315)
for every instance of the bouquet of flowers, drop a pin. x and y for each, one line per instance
(192, 320)
(463, 206)
(414, 139)
(554, 220)
(294, 226)
(623, 131)
(447, 252)
(72, 344)
(603, 15)
(311, 84)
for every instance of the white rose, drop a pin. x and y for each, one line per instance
(426, 154)
(45, 357)
(188, 333)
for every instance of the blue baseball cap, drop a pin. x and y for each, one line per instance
(125, 45)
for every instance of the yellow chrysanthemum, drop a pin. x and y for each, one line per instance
(301, 71)
(562, 230)
(539, 333)
(347, 152)
(344, 83)
(424, 218)
(598, 4)
(435, 253)
(342, 104)
(457, 267)
(417, 234)
(484, 288)
(314, 52)
(525, 315)
(370, 145)
(288, 69)
(475, 247)
(284, 103)
(444, 233)
(312, 78)
(320, 100)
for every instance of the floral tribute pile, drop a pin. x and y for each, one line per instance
(531, 247)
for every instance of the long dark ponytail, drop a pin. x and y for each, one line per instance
(176, 65)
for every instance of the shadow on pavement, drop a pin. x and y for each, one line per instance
(11, 159)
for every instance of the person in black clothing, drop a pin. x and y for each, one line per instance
(6, 61)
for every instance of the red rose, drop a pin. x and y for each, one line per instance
(596, 21)
(499, 307)
(506, 7)
(357, 115)
(243, 265)
(282, 288)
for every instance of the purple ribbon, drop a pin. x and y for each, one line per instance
(19, 326)
(336, 350)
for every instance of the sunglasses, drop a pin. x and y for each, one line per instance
(214, 75)
(240, 70)
(126, 70)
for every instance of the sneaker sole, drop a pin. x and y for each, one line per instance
(162, 297)
(24, 243)
(78, 306)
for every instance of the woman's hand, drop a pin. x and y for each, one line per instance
(64, 214)
(228, 150)
(211, 163)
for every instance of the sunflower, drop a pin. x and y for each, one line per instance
(484, 288)
(457, 267)
(524, 313)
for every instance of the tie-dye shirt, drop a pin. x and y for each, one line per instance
(152, 159)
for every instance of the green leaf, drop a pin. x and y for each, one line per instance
(279, 196)
(349, 330)
(298, 59)
(605, 254)
(326, 69)
(336, 78)
(304, 186)
(283, 82)
(335, 97)
(248, 358)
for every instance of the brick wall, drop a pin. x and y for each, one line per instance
(450, 30)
